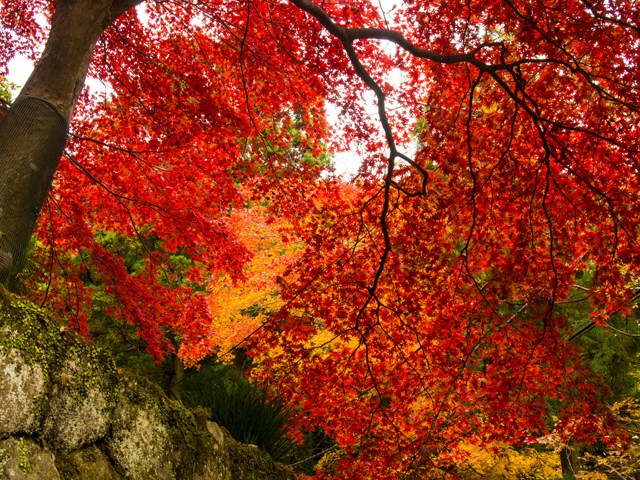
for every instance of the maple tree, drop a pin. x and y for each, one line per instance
(426, 308)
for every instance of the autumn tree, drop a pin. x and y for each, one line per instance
(435, 278)
(186, 134)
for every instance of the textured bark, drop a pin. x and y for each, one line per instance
(33, 133)
(32, 138)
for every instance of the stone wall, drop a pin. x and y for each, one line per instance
(66, 413)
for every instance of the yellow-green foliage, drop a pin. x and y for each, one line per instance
(506, 463)
(328, 461)
(6, 88)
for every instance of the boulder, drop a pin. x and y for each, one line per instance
(89, 463)
(28, 349)
(25, 459)
(83, 394)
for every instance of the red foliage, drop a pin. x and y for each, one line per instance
(435, 279)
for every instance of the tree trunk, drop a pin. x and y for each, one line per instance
(569, 459)
(176, 377)
(33, 133)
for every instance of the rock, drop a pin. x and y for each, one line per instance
(22, 388)
(27, 352)
(202, 417)
(153, 437)
(249, 463)
(140, 440)
(88, 463)
(24, 459)
(60, 385)
(83, 395)
(214, 454)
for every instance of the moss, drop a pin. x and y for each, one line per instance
(97, 370)
(250, 463)
(88, 463)
(23, 456)
(170, 411)
(29, 330)
(33, 334)
(83, 394)
(152, 436)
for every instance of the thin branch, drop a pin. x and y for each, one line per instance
(313, 456)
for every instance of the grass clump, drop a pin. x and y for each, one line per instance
(251, 413)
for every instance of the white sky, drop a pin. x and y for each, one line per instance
(19, 70)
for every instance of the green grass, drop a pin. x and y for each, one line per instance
(250, 413)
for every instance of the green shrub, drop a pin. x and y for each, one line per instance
(250, 413)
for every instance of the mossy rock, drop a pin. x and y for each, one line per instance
(26, 459)
(65, 413)
(153, 437)
(53, 384)
(28, 354)
(250, 463)
(84, 391)
(89, 463)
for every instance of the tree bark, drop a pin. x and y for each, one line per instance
(33, 133)
(176, 377)
(569, 459)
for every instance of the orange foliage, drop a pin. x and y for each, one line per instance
(239, 308)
